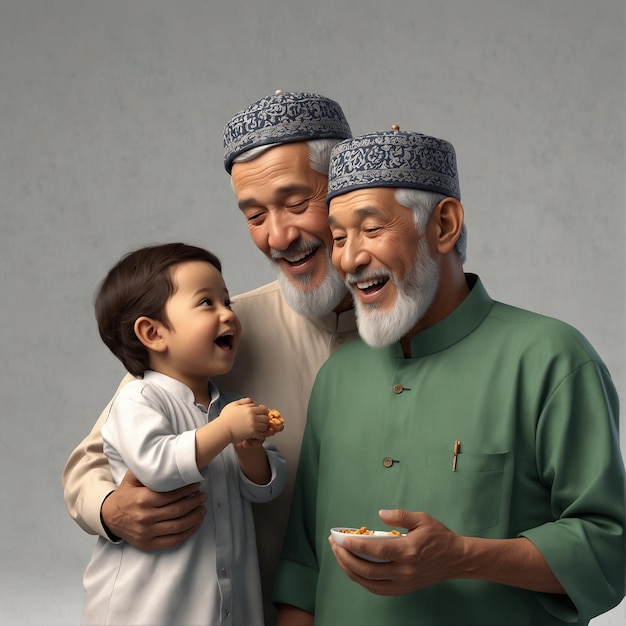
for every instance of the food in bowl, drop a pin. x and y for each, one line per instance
(364, 531)
(339, 533)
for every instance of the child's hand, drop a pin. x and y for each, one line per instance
(247, 445)
(245, 420)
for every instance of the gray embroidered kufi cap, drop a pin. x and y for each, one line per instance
(393, 159)
(284, 117)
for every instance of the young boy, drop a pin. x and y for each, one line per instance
(164, 311)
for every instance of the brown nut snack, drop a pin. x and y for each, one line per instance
(275, 422)
(364, 531)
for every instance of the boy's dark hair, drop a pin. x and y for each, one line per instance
(140, 284)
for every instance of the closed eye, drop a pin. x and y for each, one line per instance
(298, 205)
(254, 217)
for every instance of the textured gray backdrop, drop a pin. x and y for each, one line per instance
(111, 116)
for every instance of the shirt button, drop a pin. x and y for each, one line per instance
(397, 388)
(341, 340)
(218, 504)
(223, 572)
(387, 461)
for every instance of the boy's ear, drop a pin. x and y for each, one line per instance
(449, 216)
(149, 332)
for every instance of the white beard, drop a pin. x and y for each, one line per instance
(304, 299)
(414, 296)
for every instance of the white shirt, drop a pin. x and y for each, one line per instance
(213, 577)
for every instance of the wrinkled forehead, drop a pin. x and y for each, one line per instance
(357, 205)
(281, 170)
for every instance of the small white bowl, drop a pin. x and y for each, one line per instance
(378, 535)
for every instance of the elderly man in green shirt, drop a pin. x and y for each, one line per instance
(487, 432)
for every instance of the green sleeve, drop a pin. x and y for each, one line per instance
(579, 461)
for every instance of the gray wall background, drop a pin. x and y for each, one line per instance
(111, 115)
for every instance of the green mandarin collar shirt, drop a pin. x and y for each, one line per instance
(536, 413)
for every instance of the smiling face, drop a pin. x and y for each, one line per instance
(284, 202)
(385, 261)
(203, 332)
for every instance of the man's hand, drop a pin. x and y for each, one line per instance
(431, 553)
(427, 555)
(149, 520)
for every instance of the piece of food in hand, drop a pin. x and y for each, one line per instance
(276, 419)
(275, 422)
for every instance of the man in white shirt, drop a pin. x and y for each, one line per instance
(277, 151)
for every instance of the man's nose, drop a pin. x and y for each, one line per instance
(281, 232)
(352, 256)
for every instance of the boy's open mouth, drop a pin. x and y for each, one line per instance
(225, 341)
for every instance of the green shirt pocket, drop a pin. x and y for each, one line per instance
(468, 499)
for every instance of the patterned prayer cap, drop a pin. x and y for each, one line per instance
(393, 159)
(284, 117)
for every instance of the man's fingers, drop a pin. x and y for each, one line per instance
(154, 498)
(164, 542)
(182, 506)
(158, 505)
(180, 495)
(185, 524)
(175, 527)
(171, 539)
(401, 518)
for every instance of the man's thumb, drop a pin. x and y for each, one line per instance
(399, 517)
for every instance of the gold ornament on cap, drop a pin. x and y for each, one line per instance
(278, 92)
(395, 128)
